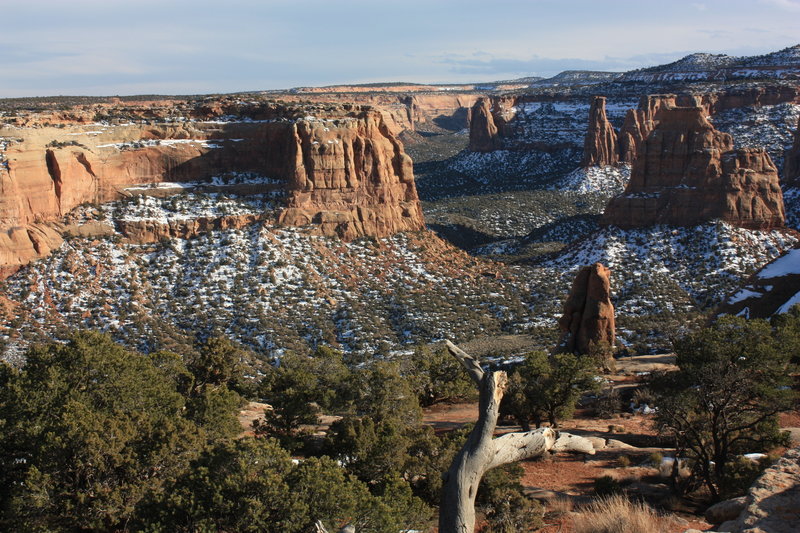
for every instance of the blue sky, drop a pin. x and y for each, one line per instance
(107, 47)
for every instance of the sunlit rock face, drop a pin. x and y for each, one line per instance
(340, 167)
(687, 173)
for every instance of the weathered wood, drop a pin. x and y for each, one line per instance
(483, 452)
(469, 363)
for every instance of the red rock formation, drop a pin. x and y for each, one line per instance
(148, 231)
(688, 173)
(351, 180)
(21, 244)
(791, 169)
(588, 319)
(483, 134)
(749, 96)
(639, 123)
(600, 147)
(343, 169)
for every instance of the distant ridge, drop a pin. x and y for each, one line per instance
(783, 64)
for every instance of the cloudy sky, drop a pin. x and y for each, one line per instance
(109, 47)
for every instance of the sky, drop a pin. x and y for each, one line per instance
(124, 47)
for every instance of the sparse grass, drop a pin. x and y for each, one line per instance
(617, 514)
(656, 458)
(559, 506)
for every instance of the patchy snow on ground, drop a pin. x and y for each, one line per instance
(652, 266)
(770, 126)
(187, 207)
(605, 180)
(272, 288)
(788, 264)
(791, 204)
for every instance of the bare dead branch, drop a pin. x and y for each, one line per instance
(467, 361)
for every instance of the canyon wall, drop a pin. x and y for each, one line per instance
(341, 167)
(351, 180)
(402, 111)
(687, 173)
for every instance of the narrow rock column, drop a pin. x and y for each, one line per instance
(588, 318)
(600, 146)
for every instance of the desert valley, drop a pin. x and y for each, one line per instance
(618, 251)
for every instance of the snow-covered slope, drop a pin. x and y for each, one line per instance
(770, 127)
(609, 181)
(271, 288)
(576, 77)
(668, 269)
(784, 64)
(772, 290)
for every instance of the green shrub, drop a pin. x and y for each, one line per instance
(606, 485)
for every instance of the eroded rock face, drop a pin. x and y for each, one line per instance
(791, 172)
(600, 146)
(639, 123)
(588, 318)
(21, 244)
(343, 170)
(483, 133)
(149, 231)
(687, 173)
(351, 181)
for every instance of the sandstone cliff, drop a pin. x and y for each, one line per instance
(341, 167)
(351, 180)
(639, 123)
(588, 319)
(600, 146)
(687, 173)
(791, 171)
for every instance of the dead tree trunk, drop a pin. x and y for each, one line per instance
(482, 451)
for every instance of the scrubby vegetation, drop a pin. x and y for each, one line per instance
(733, 379)
(95, 436)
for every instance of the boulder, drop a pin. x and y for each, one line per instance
(773, 501)
(598, 443)
(725, 510)
(588, 317)
(614, 443)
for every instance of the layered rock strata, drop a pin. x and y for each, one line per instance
(351, 181)
(342, 169)
(639, 123)
(588, 320)
(600, 146)
(687, 173)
